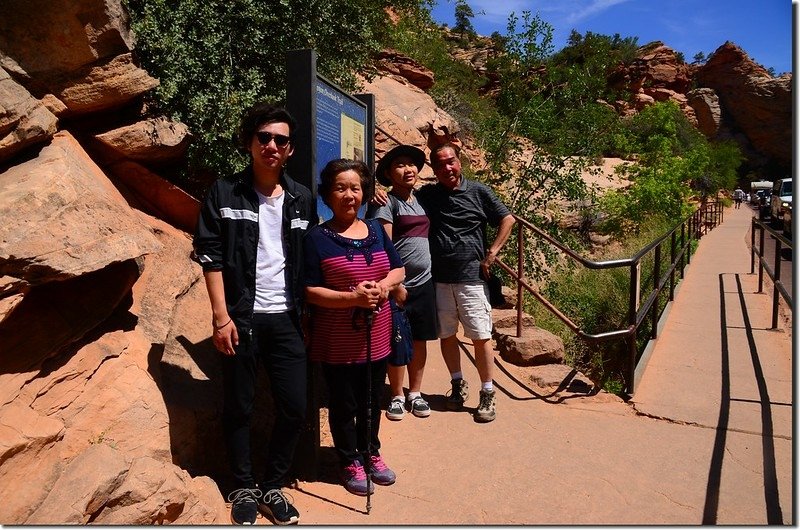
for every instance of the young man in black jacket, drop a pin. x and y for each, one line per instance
(249, 243)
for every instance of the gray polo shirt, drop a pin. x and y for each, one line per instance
(458, 227)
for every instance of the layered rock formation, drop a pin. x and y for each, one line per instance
(90, 281)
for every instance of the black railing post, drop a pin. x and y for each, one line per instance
(752, 245)
(687, 250)
(520, 260)
(656, 277)
(672, 250)
(775, 281)
(760, 262)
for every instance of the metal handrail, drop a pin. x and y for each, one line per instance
(774, 274)
(706, 217)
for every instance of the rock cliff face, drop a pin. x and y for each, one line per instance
(753, 103)
(91, 282)
(734, 99)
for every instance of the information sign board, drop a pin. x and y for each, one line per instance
(341, 122)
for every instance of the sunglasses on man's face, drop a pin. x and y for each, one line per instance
(264, 138)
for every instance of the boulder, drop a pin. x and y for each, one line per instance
(395, 63)
(41, 40)
(536, 347)
(24, 120)
(56, 314)
(154, 140)
(154, 494)
(562, 378)
(83, 488)
(705, 103)
(507, 319)
(103, 86)
(29, 459)
(68, 219)
(157, 196)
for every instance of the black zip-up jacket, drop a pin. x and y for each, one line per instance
(226, 239)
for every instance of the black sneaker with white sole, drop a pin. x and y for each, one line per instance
(276, 506)
(244, 505)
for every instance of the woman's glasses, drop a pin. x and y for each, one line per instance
(264, 138)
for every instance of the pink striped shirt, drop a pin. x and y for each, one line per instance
(339, 336)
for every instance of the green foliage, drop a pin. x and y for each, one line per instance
(215, 58)
(675, 162)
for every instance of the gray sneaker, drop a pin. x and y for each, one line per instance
(486, 407)
(458, 394)
(396, 410)
(419, 407)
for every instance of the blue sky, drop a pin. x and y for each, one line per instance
(762, 28)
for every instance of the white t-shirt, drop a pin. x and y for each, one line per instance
(272, 293)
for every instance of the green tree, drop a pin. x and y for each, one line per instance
(699, 58)
(464, 16)
(675, 162)
(215, 58)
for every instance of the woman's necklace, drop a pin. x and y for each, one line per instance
(352, 245)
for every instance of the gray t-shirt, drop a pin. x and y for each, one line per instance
(410, 226)
(458, 227)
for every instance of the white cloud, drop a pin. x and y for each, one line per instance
(582, 9)
(566, 11)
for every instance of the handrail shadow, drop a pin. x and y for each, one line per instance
(771, 492)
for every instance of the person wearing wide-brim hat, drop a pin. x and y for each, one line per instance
(406, 222)
(416, 155)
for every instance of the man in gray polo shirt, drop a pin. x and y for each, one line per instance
(459, 210)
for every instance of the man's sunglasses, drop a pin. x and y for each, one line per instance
(265, 137)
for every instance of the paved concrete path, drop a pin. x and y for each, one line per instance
(707, 437)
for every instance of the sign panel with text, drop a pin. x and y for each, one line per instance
(341, 123)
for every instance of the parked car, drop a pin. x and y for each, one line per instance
(781, 199)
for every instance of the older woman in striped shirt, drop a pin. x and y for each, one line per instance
(351, 266)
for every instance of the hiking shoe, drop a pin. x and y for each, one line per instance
(419, 407)
(355, 479)
(381, 474)
(277, 507)
(244, 505)
(396, 410)
(458, 394)
(486, 408)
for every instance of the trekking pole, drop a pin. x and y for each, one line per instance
(368, 459)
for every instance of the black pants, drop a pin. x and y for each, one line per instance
(347, 407)
(277, 343)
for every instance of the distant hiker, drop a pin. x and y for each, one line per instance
(738, 196)
(406, 223)
(351, 266)
(249, 242)
(459, 210)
